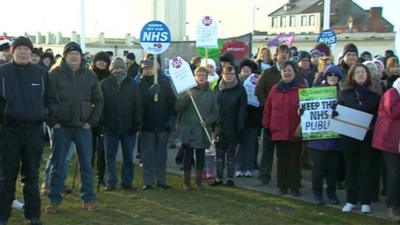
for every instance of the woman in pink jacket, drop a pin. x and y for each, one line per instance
(280, 120)
(387, 139)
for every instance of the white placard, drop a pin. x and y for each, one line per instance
(181, 74)
(250, 85)
(351, 122)
(207, 33)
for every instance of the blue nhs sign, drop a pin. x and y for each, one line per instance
(155, 37)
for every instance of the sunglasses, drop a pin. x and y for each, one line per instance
(332, 75)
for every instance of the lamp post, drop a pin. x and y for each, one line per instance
(221, 21)
(254, 18)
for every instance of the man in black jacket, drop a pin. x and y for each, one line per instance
(122, 115)
(158, 120)
(80, 105)
(24, 105)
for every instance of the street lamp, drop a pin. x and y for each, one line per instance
(254, 17)
(221, 21)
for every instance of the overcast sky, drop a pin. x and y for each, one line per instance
(118, 17)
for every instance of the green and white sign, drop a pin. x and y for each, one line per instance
(317, 104)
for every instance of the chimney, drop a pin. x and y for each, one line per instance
(375, 12)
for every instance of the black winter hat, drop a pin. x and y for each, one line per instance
(36, 51)
(131, 56)
(71, 46)
(350, 47)
(302, 55)
(250, 63)
(47, 55)
(227, 57)
(21, 41)
(103, 56)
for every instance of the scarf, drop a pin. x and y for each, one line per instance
(284, 86)
(361, 91)
(119, 77)
(101, 74)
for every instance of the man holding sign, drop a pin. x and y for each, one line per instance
(158, 121)
(191, 128)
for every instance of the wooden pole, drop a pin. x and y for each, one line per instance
(155, 75)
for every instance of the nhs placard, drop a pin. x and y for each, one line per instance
(155, 37)
(327, 37)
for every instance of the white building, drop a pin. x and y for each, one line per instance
(173, 14)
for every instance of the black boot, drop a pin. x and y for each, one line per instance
(331, 194)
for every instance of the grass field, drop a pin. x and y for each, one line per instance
(213, 205)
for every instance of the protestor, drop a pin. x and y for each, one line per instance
(247, 154)
(350, 58)
(46, 60)
(35, 58)
(195, 62)
(133, 67)
(263, 59)
(280, 121)
(365, 56)
(225, 60)
(381, 69)
(121, 118)
(190, 131)
(232, 102)
(80, 105)
(323, 63)
(392, 70)
(324, 49)
(315, 55)
(267, 80)
(158, 121)
(357, 92)
(326, 153)
(386, 138)
(304, 66)
(100, 66)
(5, 50)
(26, 102)
(213, 77)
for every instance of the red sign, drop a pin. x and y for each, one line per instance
(238, 49)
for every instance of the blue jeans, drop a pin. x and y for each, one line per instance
(68, 159)
(83, 142)
(111, 148)
(247, 149)
(154, 155)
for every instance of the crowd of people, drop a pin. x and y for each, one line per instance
(91, 108)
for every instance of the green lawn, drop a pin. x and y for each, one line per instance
(221, 205)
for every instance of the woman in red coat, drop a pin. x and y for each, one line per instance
(281, 120)
(387, 139)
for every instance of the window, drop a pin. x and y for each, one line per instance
(292, 22)
(274, 21)
(303, 21)
(311, 20)
(283, 21)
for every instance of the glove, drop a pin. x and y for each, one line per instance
(170, 126)
(300, 111)
(334, 105)
(334, 114)
(154, 89)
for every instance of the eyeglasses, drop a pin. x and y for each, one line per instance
(232, 74)
(332, 75)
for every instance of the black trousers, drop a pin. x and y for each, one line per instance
(325, 164)
(289, 171)
(392, 161)
(98, 149)
(267, 158)
(358, 158)
(20, 147)
(188, 158)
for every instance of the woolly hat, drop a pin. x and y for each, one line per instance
(302, 55)
(250, 63)
(4, 43)
(118, 63)
(72, 46)
(209, 62)
(316, 53)
(333, 69)
(102, 56)
(131, 56)
(227, 57)
(36, 51)
(21, 41)
(350, 47)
